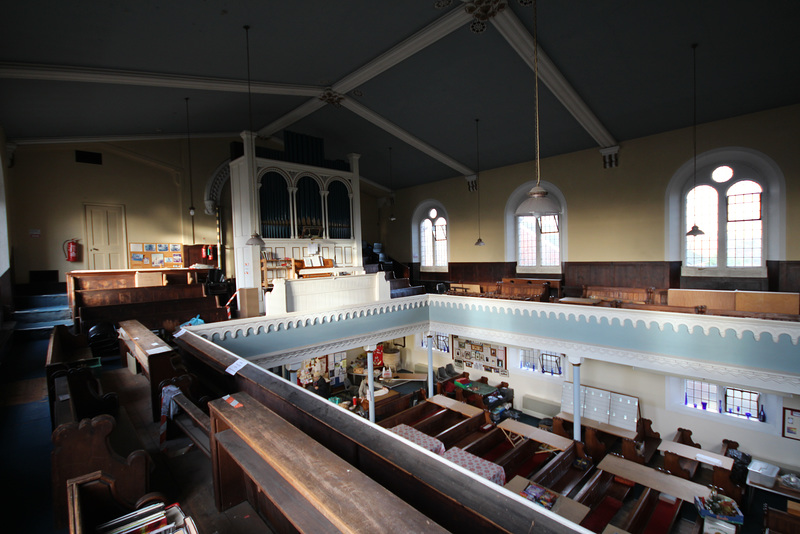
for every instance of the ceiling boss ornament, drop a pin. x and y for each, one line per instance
(483, 10)
(332, 97)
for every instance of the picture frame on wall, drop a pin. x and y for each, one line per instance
(400, 342)
(791, 424)
(503, 372)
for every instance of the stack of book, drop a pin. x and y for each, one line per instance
(154, 519)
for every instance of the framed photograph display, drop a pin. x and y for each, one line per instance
(791, 423)
(480, 355)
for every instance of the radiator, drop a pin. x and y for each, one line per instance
(539, 407)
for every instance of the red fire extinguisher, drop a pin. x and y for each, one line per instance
(203, 252)
(70, 248)
(210, 253)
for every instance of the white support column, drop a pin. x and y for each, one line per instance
(355, 184)
(431, 391)
(324, 199)
(293, 212)
(370, 385)
(576, 398)
(247, 258)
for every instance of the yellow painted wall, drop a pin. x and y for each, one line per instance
(613, 214)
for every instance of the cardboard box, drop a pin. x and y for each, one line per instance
(248, 301)
(145, 279)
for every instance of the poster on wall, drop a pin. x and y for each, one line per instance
(479, 355)
(155, 255)
(791, 423)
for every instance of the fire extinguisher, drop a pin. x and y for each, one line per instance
(210, 253)
(70, 248)
(203, 252)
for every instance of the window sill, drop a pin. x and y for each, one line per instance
(726, 272)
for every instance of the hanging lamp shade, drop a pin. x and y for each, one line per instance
(255, 241)
(538, 203)
(695, 231)
(479, 242)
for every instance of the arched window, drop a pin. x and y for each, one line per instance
(429, 239)
(536, 244)
(737, 202)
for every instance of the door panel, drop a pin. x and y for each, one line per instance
(106, 240)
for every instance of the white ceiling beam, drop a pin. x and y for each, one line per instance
(428, 35)
(512, 29)
(422, 146)
(147, 79)
(441, 27)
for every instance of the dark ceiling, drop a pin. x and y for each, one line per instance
(85, 70)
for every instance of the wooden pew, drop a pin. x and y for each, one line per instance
(93, 499)
(65, 351)
(778, 522)
(605, 495)
(598, 437)
(722, 476)
(680, 465)
(192, 420)
(295, 484)
(561, 475)
(153, 356)
(77, 395)
(92, 444)
(157, 315)
(644, 447)
(439, 422)
(633, 295)
(412, 415)
(462, 429)
(653, 513)
(524, 289)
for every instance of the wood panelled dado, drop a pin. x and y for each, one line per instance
(658, 274)
(784, 276)
(468, 272)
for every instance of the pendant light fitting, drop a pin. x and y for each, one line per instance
(479, 242)
(695, 231)
(255, 239)
(538, 203)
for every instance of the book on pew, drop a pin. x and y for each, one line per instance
(153, 519)
(540, 495)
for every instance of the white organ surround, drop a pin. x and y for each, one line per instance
(246, 173)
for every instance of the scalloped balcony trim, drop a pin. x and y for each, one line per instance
(258, 325)
(661, 320)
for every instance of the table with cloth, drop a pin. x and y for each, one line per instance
(413, 435)
(477, 465)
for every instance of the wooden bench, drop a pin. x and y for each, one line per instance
(561, 475)
(117, 295)
(643, 448)
(77, 395)
(722, 477)
(653, 513)
(153, 356)
(778, 522)
(680, 465)
(297, 485)
(523, 289)
(102, 443)
(599, 437)
(65, 351)
(93, 499)
(633, 295)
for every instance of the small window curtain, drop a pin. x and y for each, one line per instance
(274, 196)
(309, 206)
(338, 211)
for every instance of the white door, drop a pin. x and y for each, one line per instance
(105, 236)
